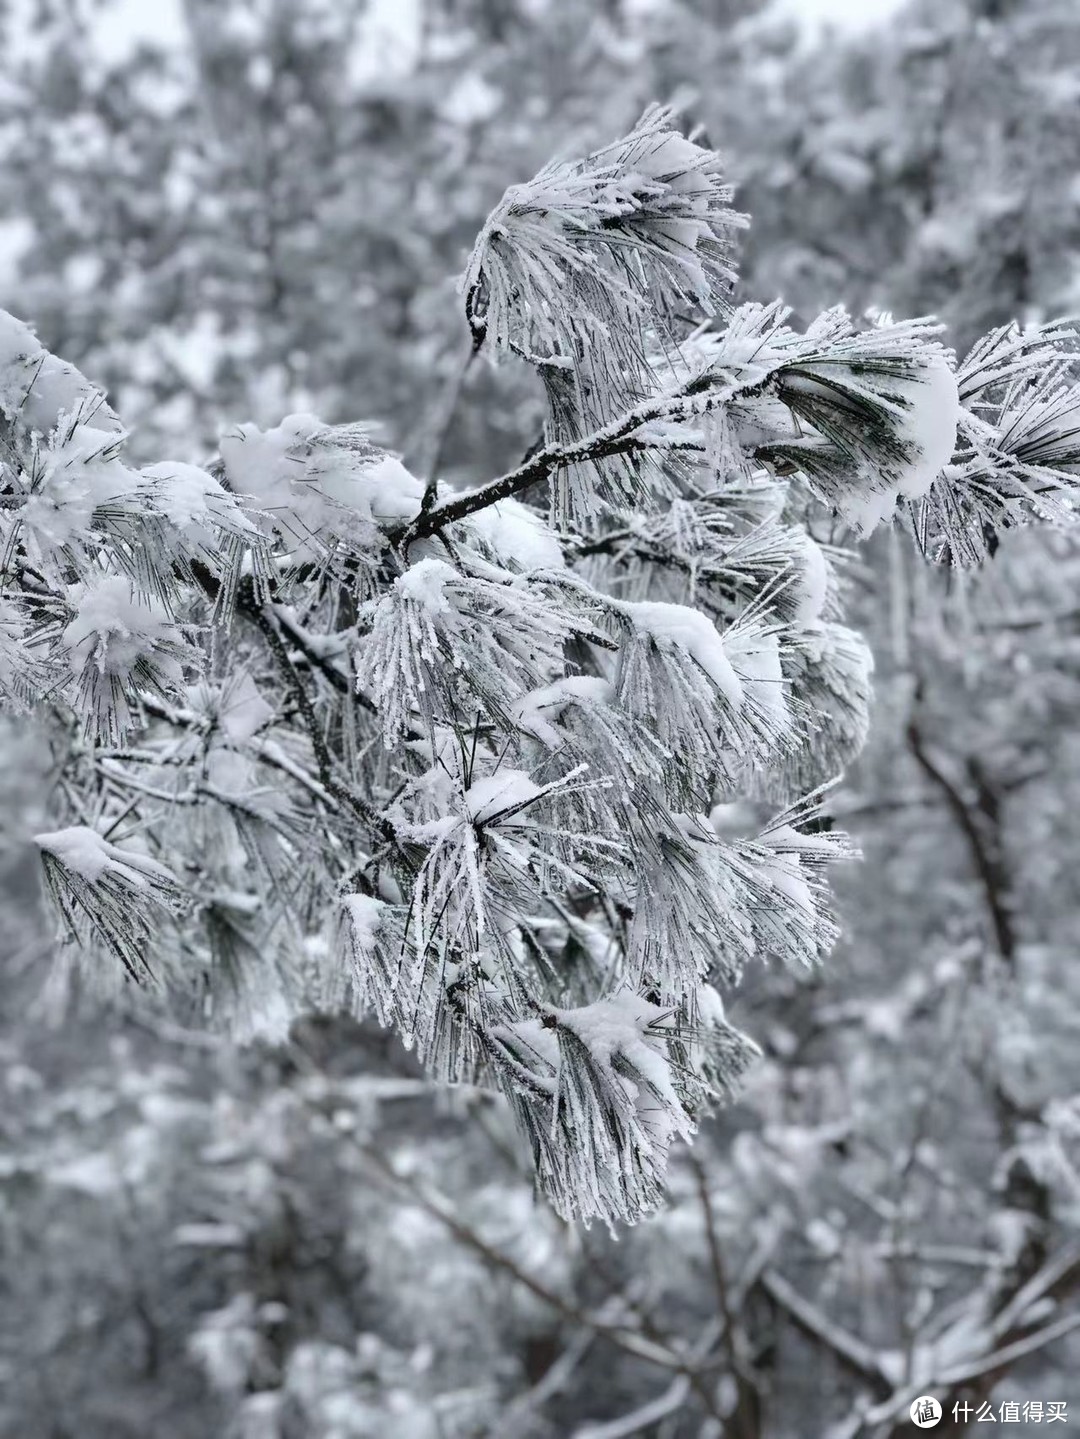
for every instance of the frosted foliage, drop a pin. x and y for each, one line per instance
(690, 632)
(496, 764)
(929, 412)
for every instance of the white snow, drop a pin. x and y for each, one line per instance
(187, 496)
(84, 852)
(307, 477)
(531, 1034)
(243, 710)
(77, 472)
(114, 625)
(79, 849)
(342, 470)
(262, 463)
(811, 585)
(710, 1006)
(518, 534)
(928, 424)
(365, 919)
(783, 873)
(38, 387)
(486, 799)
(424, 583)
(755, 659)
(688, 629)
(617, 1025)
(531, 711)
(391, 492)
(784, 837)
(789, 856)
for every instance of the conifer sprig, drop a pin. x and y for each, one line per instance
(533, 770)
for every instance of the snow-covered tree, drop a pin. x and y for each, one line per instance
(529, 770)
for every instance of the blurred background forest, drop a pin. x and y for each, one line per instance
(263, 211)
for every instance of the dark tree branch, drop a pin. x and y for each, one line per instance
(984, 852)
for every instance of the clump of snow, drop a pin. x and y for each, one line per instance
(865, 511)
(710, 1006)
(519, 536)
(309, 478)
(391, 492)
(508, 789)
(627, 1027)
(425, 583)
(84, 852)
(686, 629)
(366, 916)
(79, 849)
(811, 584)
(928, 412)
(243, 711)
(675, 164)
(343, 465)
(531, 712)
(755, 659)
(37, 388)
(930, 426)
(114, 626)
(76, 472)
(191, 499)
(262, 463)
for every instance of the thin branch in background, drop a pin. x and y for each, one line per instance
(443, 422)
(987, 865)
(846, 1348)
(644, 1417)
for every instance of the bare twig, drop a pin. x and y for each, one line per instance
(622, 1338)
(848, 1350)
(444, 420)
(988, 865)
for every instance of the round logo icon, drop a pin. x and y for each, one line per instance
(925, 1412)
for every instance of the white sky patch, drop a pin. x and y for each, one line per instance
(844, 14)
(391, 35)
(16, 237)
(120, 27)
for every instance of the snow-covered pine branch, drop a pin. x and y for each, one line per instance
(530, 771)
